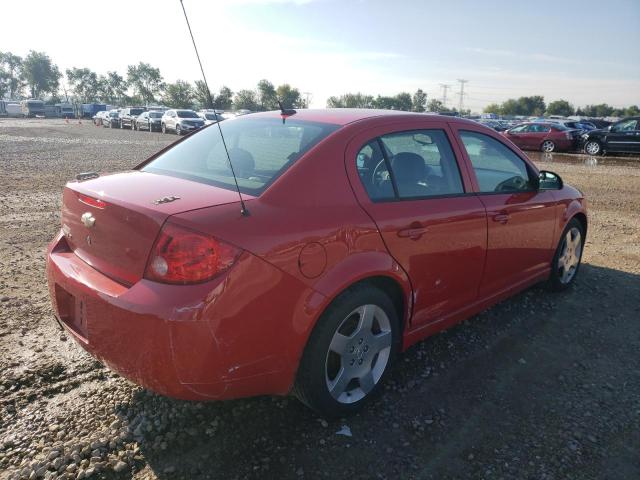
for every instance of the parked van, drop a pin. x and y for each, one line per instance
(32, 108)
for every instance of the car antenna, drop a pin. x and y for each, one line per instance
(243, 207)
(284, 112)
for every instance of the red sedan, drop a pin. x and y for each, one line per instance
(362, 233)
(547, 137)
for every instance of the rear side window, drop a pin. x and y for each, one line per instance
(413, 164)
(261, 149)
(497, 168)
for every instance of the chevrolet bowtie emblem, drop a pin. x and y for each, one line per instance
(88, 220)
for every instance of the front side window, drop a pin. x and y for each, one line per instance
(413, 164)
(519, 129)
(627, 126)
(261, 149)
(497, 168)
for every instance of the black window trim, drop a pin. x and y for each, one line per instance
(397, 198)
(526, 164)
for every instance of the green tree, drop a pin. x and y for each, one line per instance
(419, 101)
(178, 94)
(112, 87)
(533, 105)
(11, 81)
(510, 107)
(632, 111)
(492, 108)
(224, 100)
(601, 110)
(145, 81)
(84, 83)
(201, 95)
(350, 100)
(435, 105)
(267, 97)
(560, 107)
(246, 100)
(289, 96)
(41, 74)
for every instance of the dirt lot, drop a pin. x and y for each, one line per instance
(544, 386)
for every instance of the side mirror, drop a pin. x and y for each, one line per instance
(549, 181)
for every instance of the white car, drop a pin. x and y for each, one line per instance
(180, 121)
(210, 116)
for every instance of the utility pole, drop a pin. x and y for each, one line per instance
(308, 97)
(462, 81)
(445, 87)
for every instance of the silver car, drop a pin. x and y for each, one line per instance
(180, 121)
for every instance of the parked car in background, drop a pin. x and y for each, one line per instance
(148, 121)
(571, 124)
(497, 125)
(547, 137)
(622, 136)
(128, 116)
(111, 118)
(210, 116)
(391, 227)
(32, 108)
(99, 117)
(180, 121)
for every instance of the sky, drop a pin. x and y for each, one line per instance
(584, 51)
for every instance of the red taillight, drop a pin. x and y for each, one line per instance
(92, 202)
(184, 256)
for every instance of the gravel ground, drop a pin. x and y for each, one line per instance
(543, 386)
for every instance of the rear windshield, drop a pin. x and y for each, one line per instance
(155, 114)
(261, 149)
(136, 111)
(187, 114)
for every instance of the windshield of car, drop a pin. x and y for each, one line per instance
(113, 114)
(136, 111)
(260, 149)
(187, 114)
(212, 116)
(155, 114)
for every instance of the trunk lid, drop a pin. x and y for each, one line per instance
(118, 240)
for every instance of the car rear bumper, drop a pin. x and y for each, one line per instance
(196, 342)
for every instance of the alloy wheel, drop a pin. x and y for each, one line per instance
(548, 146)
(592, 148)
(570, 253)
(358, 354)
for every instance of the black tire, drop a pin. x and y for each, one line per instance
(178, 129)
(555, 282)
(311, 385)
(163, 128)
(593, 147)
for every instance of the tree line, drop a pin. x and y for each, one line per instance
(535, 105)
(38, 76)
(142, 84)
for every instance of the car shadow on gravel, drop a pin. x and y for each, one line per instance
(540, 386)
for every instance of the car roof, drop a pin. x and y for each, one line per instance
(344, 116)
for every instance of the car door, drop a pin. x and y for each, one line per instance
(520, 217)
(624, 136)
(517, 135)
(410, 183)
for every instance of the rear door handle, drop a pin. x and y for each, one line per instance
(501, 217)
(412, 233)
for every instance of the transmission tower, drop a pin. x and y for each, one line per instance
(445, 87)
(461, 81)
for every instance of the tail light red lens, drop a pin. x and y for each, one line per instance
(93, 202)
(183, 256)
